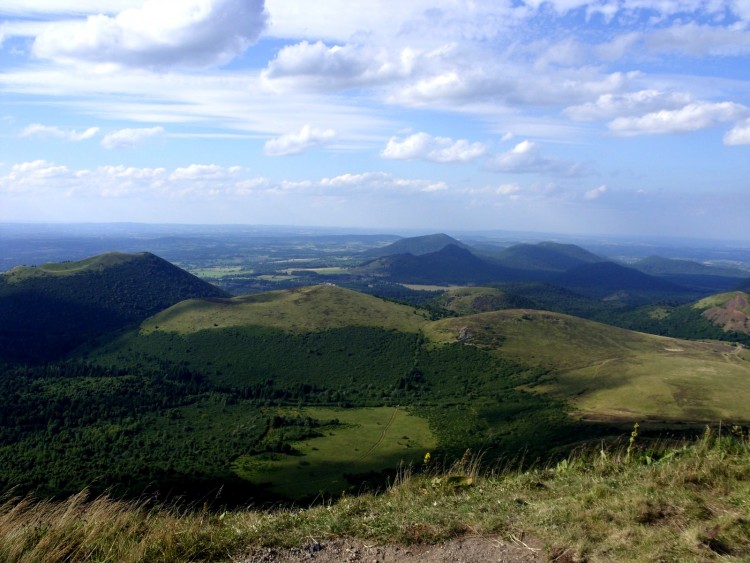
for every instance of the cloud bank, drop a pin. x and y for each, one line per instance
(160, 34)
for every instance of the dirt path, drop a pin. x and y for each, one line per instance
(463, 550)
(382, 435)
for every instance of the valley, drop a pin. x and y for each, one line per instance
(320, 365)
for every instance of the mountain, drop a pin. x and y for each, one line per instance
(694, 275)
(452, 265)
(545, 257)
(744, 285)
(50, 309)
(607, 280)
(413, 245)
(729, 311)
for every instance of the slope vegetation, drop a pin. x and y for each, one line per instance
(50, 309)
(730, 311)
(611, 373)
(305, 309)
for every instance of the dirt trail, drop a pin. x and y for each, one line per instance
(382, 435)
(462, 550)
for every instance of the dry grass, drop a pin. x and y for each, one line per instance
(687, 503)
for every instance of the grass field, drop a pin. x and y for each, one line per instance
(368, 440)
(610, 373)
(305, 309)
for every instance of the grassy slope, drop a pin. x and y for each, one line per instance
(370, 439)
(608, 372)
(690, 505)
(300, 310)
(471, 300)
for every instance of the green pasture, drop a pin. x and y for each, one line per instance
(298, 310)
(218, 272)
(367, 440)
(614, 374)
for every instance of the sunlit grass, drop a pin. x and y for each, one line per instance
(670, 503)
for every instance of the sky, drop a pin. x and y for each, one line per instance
(602, 117)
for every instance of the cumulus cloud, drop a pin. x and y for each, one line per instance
(527, 158)
(739, 134)
(161, 33)
(692, 117)
(318, 65)
(436, 149)
(298, 142)
(194, 181)
(129, 138)
(610, 105)
(37, 130)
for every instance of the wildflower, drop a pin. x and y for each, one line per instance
(427, 458)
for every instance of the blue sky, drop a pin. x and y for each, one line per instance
(572, 116)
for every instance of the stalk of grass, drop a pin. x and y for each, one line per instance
(690, 502)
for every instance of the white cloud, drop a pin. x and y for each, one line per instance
(739, 134)
(608, 106)
(298, 142)
(526, 158)
(195, 181)
(436, 149)
(160, 33)
(42, 131)
(700, 40)
(382, 181)
(129, 138)
(692, 117)
(595, 193)
(36, 130)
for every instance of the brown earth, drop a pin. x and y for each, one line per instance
(461, 550)
(731, 316)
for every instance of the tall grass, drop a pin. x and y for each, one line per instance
(663, 502)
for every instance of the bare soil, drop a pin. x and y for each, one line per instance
(461, 550)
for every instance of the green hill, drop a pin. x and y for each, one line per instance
(694, 275)
(545, 257)
(610, 373)
(729, 311)
(413, 245)
(471, 300)
(610, 281)
(48, 310)
(306, 309)
(450, 265)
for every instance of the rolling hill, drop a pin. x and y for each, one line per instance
(335, 336)
(693, 275)
(729, 311)
(50, 309)
(607, 373)
(317, 390)
(413, 245)
(450, 265)
(610, 281)
(545, 257)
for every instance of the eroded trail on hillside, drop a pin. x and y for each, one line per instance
(462, 550)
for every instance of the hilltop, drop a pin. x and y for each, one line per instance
(50, 309)
(729, 311)
(413, 245)
(451, 264)
(545, 257)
